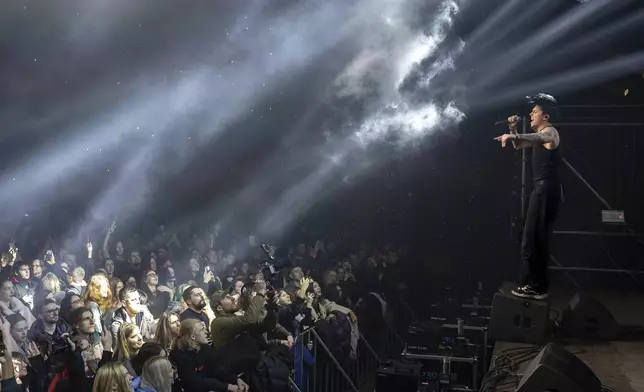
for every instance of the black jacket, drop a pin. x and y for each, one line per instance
(199, 371)
(48, 343)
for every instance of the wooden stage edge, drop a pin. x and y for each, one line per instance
(619, 364)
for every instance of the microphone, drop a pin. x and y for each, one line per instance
(518, 118)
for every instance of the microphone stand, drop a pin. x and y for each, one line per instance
(524, 160)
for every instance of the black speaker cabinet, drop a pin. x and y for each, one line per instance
(587, 318)
(398, 376)
(555, 369)
(519, 320)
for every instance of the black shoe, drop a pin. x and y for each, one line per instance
(529, 292)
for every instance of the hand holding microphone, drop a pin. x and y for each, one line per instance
(512, 123)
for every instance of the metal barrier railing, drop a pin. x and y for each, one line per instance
(317, 369)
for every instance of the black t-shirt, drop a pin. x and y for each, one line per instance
(191, 314)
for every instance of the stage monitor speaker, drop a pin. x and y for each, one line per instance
(520, 320)
(556, 369)
(398, 376)
(587, 318)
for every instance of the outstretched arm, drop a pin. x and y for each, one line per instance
(547, 135)
(519, 144)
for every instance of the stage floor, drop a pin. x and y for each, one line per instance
(618, 364)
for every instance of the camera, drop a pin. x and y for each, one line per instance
(272, 265)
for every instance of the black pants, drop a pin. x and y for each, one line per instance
(541, 214)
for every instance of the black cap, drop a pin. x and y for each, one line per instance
(542, 99)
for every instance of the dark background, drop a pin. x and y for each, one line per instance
(455, 198)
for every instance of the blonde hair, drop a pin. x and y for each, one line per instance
(184, 341)
(78, 273)
(110, 377)
(163, 333)
(51, 281)
(122, 350)
(157, 374)
(92, 292)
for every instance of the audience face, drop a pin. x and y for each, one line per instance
(151, 278)
(316, 289)
(175, 324)
(23, 272)
(77, 302)
(119, 286)
(284, 299)
(199, 334)
(196, 299)
(86, 324)
(330, 278)
(19, 331)
(36, 267)
(153, 264)
(212, 257)
(109, 267)
(7, 291)
(49, 313)
(229, 259)
(340, 275)
(238, 286)
(119, 248)
(230, 303)
(132, 303)
(194, 265)
(131, 282)
(135, 340)
(297, 274)
(135, 259)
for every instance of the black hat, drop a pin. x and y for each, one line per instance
(542, 99)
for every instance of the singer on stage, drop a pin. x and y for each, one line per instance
(545, 196)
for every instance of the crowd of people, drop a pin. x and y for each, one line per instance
(166, 317)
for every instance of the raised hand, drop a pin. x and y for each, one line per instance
(89, 248)
(33, 350)
(69, 341)
(304, 285)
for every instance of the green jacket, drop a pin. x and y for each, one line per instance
(225, 328)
